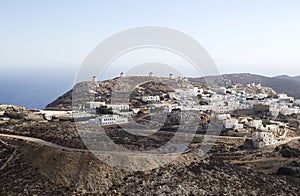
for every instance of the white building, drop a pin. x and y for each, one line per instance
(238, 126)
(195, 91)
(223, 109)
(269, 128)
(230, 123)
(284, 98)
(222, 90)
(274, 112)
(118, 107)
(174, 96)
(261, 139)
(151, 98)
(205, 107)
(108, 120)
(94, 104)
(288, 111)
(223, 116)
(282, 95)
(255, 123)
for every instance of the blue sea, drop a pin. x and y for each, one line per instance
(34, 88)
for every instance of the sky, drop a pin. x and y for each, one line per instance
(259, 36)
(50, 36)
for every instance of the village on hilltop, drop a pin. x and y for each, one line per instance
(251, 110)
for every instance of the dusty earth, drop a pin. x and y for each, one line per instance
(229, 168)
(226, 170)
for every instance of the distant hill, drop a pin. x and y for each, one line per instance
(295, 78)
(281, 84)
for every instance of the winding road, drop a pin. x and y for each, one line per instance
(53, 145)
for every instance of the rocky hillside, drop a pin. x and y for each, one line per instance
(64, 102)
(102, 91)
(40, 170)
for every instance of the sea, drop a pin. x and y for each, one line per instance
(34, 88)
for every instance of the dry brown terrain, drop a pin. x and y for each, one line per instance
(43, 170)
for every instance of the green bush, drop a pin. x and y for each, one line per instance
(104, 110)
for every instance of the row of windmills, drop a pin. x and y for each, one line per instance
(122, 74)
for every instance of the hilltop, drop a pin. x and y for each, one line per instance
(280, 84)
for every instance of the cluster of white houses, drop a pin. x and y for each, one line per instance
(221, 100)
(262, 135)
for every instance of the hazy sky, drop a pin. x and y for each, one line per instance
(257, 36)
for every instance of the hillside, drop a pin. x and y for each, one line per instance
(42, 170)
(295, 78)
(281, 84)
(102, 90)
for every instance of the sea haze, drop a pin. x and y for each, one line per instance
(34, 88)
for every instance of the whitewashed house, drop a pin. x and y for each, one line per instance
(118, 107)
(95, 104)
(288, 111)
(238, 127)
(255, 123)
(195, 91)
(274, 112)
(223, 109)
(151, 98)
(284, 98)
(206, 107)
(223, 116)
(261, 139)
(230, 123)
(269, 128)
(105, 120)
(222, 90)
